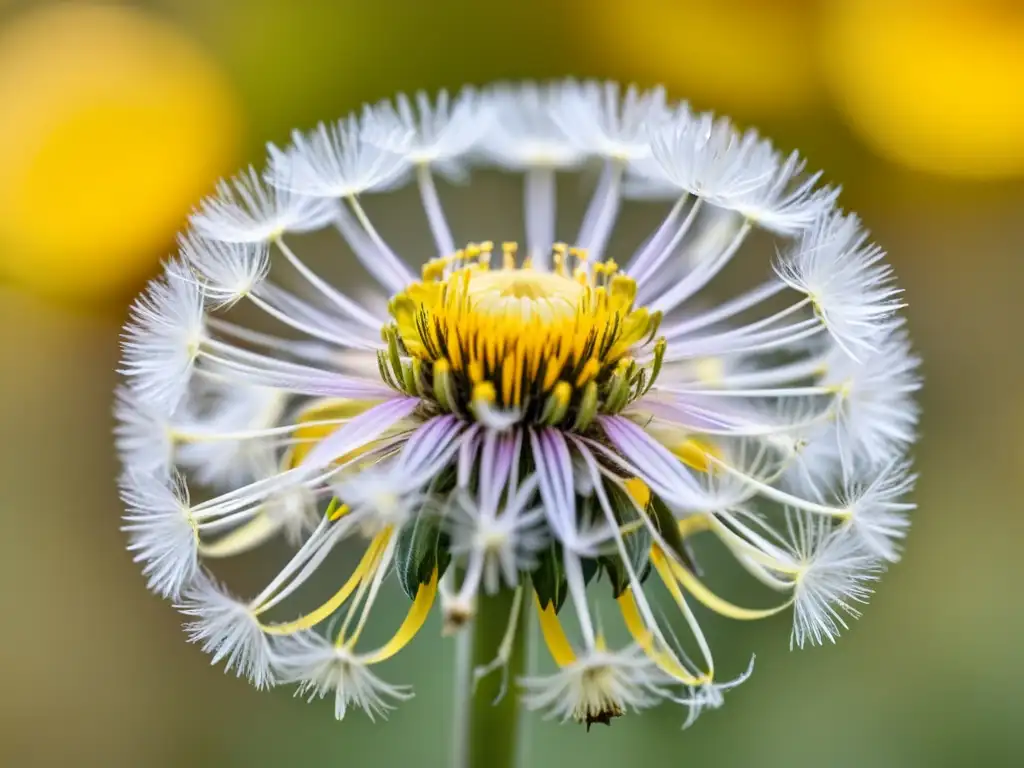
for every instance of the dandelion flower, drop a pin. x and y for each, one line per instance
(529, 426)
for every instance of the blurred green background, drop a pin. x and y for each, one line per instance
(116, 118)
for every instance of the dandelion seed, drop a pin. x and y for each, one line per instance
(321, 668)
(246, 210)
(228, 630)
(599, 687)
(833, 573)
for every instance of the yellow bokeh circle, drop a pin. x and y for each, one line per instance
(113, 124)
(744, 57)
(936, 86)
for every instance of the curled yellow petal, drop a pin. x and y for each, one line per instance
(694, 524)
(554, 636)
(366, 567)
(243, 538)
(700, 591)
(413, 623)
(667, 577)
(643, 637)
(309, 434)
(739, 545)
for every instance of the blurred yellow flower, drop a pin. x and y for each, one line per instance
(936, 86)
(744, 56)
(113, 124)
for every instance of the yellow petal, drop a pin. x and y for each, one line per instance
(366, 567)
(413, 623)
(667, 577)
(243, 538)
(643, 637)
(554, 636)
(638, 491)
(694, 524)
(694, 452)
(311, 434)
(699, 590)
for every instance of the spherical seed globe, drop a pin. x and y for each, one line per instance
(518, 418)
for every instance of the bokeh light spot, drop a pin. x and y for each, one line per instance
(745, 57)
(934, 86)
(114, 124)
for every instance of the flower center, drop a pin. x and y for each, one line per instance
(551, 347)
(597, 700)
(524, 292)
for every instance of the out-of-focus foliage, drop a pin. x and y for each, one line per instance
(301, 61)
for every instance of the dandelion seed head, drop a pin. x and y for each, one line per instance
(528, 423)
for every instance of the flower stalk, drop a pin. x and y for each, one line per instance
(493, 716)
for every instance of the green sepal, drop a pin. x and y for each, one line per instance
(587, 408)
(549, 578)
(638, 549)
(422, 546)
(394, 354)
(659, 358)
(623, 507)
(637, 543)
(591, 568)
(668, 527)
(383, 367)
(409, 379)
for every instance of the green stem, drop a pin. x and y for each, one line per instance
(492, 728)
